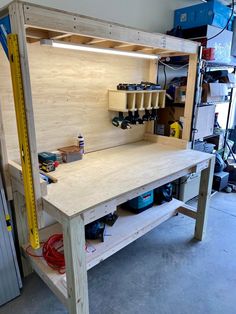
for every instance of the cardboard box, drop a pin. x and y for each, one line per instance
(212, 13)
(214, 92)
(70, 153)
(205, 121)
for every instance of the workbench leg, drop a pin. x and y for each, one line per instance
(203, 199)
(21, 226)
(76, 272)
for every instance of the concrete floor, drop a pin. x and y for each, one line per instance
(164, 272)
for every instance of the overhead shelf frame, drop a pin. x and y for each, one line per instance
(47, 23)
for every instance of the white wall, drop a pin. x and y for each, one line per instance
(150, 15)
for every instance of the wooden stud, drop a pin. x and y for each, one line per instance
(118, 46)
(46, 18)
(18, 27)
(153, 69)
(152, 77)
(21, 225)
(76, 273)
(146, 49)
(190, 92)
(96, 41)
(57, 35)
(204, 198)
(76, 39)
(188, 211)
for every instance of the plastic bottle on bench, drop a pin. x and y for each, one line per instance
(81, 143)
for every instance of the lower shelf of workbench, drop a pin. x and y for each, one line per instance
(126, 229)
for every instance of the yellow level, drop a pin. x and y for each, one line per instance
(19, 100)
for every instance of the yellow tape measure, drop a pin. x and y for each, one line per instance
(19, 100)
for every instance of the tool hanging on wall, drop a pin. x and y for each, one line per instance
(137, 117)
(134, 118)
(146, 117)
(19, 100)
(154, 115)
(121, 122)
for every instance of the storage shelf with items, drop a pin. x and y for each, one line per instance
(215, 95)
(124, 100)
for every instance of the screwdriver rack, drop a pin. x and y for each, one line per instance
(124, 101)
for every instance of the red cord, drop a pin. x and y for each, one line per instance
(52, 252)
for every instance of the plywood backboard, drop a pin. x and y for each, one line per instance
(70, 95)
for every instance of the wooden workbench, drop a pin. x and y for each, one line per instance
(89, 189)
(67, 91)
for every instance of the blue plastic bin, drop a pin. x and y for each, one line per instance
(209, 13)
(142, 202)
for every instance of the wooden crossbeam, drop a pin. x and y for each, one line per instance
(96, 41)
(58, 35)
(76, 39)
(36, 33)
(188, 211)
(123, 45)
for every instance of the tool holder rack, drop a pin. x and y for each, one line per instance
(124, 101)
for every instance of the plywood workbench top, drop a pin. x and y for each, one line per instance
(105, 175)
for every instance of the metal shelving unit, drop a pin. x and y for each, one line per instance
(213, 66)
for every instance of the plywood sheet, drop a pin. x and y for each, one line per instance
(108, 175)
(70, 95)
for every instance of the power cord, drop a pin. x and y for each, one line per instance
(173, 68)
(164, 71)
(223, 29)
(52, 252)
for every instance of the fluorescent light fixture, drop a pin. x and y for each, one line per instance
(64, 45)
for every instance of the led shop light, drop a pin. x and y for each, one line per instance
(64, 45)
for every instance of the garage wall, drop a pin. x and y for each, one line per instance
(150, 15)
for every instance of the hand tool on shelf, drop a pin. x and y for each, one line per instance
(49, 176)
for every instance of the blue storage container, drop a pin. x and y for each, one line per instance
(142, 202)
(209, 13)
